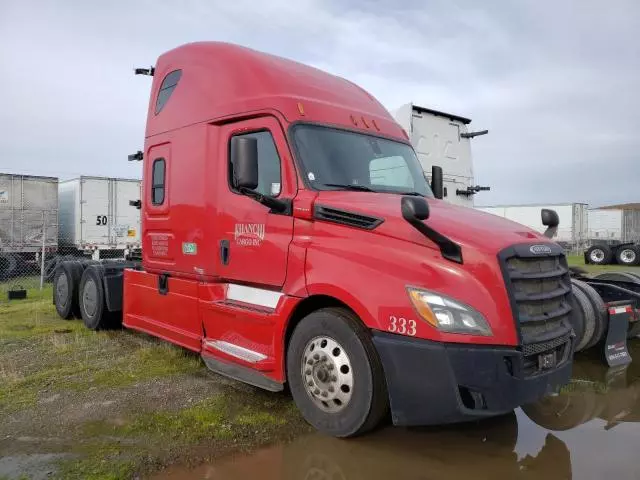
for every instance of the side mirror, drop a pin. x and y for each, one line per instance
(244, 159)
(414, 208)
(550, 220)
(437, 184)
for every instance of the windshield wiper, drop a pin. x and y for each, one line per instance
(359, 188)
(362, 188)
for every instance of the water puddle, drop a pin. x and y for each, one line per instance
(590, 431)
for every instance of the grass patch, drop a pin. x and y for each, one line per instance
(145, 441)
(103, 462)
(578, 261)
(218, 417)
(48, 365)
(41, 353)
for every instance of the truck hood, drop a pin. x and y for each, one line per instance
(468, 227)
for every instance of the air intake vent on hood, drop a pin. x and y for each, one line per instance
(344, 217)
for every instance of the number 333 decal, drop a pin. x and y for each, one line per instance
(402, 326)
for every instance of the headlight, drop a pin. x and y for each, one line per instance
(448, 315)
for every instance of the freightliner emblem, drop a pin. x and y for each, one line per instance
(539, 249)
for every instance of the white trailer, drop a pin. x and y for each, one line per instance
(614, 225)
(605, 225)
(28, 223)
(95, 216)
(443, 139)
(573, 227)
(28, 209)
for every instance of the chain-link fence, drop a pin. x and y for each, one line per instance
(44, 220)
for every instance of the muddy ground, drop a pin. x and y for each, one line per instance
(117, 404)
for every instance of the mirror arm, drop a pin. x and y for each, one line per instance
(550, 232)
(275, 204)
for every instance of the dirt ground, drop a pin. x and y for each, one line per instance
(110, 405)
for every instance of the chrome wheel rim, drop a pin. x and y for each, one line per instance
(627, 256)
(597, 255)
(327, 374)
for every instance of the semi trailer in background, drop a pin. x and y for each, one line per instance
(614, 235)
(96, 217)
(572, 232)
(28, 222)
(444, 140)
(609, 224)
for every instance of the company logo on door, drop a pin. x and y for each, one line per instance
(249, 234)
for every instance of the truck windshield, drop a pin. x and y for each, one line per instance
(340, 160)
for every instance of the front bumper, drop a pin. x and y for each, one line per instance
(435, 383)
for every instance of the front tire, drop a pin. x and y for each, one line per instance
(335, 374)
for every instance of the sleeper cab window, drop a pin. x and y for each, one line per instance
(268, 164)
(157, 181)
(166, 89)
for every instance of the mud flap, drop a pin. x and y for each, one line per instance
(615, 350)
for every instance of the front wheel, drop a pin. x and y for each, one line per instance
(335, 374)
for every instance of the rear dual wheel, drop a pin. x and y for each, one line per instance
(65, 289)
(91, 296)
(591, 319)
(335, 374)
(599, 255)
(629, 255)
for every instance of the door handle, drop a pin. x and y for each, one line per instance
(224, 252)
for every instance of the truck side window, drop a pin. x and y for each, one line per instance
(166, 89)
(157, 181)
(268, 164)
(390, 172)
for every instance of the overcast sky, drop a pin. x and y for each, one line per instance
(556, 82)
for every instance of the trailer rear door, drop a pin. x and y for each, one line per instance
(126, 219)
(94, 208)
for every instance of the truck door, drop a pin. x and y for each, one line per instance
(253, 243)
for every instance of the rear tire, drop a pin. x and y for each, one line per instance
(599, 255)
(619, 277)
(65, 289)
(335, 375)
(628, 256)
(8, 266)
(583, 319)
(93, 308)
(600, 309)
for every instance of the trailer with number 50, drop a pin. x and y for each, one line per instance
(96, 218)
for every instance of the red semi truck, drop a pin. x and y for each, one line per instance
(289, 236)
